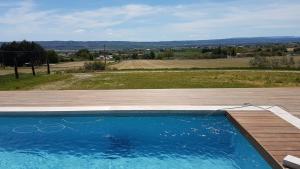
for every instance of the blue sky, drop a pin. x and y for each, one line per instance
(147, 20)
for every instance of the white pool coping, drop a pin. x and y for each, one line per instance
(278, 111)
(291, 162)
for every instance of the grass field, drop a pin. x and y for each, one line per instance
(152, 80)
(27, 81)
(203, 79)
(149, 65)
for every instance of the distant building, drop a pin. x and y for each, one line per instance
(102, 57)
(290, 49)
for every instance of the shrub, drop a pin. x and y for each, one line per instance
(275, 62)
(260, 62)
(167, 54)
(292, 61)
(94, 66)
(117, 58)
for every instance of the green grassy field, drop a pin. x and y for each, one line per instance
(203, 79)
(152, 80)
(27, 81)
(234, 63)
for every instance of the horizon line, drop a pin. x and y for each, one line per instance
(244, 37)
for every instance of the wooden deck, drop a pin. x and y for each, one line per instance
(287, 98)
(271, 135)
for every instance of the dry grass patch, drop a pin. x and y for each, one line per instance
(185, 64)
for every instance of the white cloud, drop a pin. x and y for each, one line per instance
(79, 31)
(105, 17)
(24, 20)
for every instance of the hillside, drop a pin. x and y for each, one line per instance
(75, 45)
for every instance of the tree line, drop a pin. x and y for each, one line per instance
(24, 52)
(21, 53)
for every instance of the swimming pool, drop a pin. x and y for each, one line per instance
(126, 141)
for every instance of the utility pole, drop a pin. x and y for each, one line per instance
(48, 66)
(104, 54)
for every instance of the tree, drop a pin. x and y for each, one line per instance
(297, 50)
(134, 56)
(168, 54)
(52, 56)
(219, 52)
(152, 55)
(206, 50)
(84, 54)
(231, 51)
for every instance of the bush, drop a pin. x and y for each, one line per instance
(166, 54)
(260, 62)
(94, 66)
(292, 61)
(117, 58)
(274, 63)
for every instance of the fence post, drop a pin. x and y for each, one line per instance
(32, 66)
(16, 67)
(48, 66)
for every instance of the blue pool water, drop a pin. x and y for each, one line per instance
(125, 142)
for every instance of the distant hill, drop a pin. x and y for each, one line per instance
(96, 45)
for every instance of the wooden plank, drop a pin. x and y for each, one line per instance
(273, 137)
(285, 153)
(282, 147)
(268, 129)
(265, 125)
(259, 121)
(253, 114)
(278, 139)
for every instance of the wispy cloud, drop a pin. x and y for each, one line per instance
(142, 22)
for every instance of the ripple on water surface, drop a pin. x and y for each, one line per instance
(158, 142)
